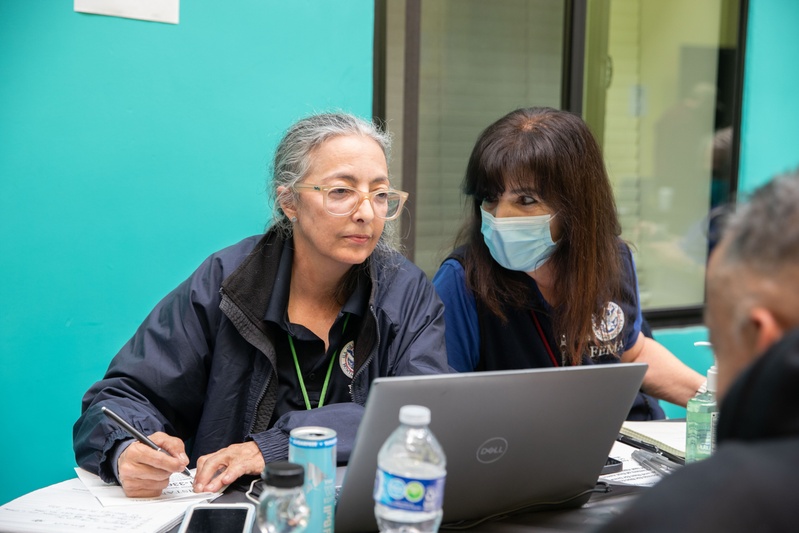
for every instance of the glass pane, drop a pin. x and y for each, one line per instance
(667, 72)
(479, 60)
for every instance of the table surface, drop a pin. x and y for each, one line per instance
(598, 510)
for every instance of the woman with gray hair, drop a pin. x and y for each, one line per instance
(281, 330)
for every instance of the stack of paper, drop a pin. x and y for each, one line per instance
(87, 504)
(666, 435)
(179, 489)
(632, 473)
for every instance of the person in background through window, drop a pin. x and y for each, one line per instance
(281, 330)
(541, 278)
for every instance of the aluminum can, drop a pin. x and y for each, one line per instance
(314, 447)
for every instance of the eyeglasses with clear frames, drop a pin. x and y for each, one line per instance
(340, 200)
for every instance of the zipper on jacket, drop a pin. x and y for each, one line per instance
(371, 353)
(223, 304)
(258, 404)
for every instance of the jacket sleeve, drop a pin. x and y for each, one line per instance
(157, 381)
(412, 323)
(343, 418)
(460, 312)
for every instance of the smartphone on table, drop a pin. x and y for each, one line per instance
(218, 518)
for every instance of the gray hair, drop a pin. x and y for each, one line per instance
(756, 261)
(293, 157)
(763, 233)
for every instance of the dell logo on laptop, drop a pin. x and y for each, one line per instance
(492, 450)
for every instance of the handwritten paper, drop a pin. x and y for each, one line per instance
(179, 488)
(69, 507)
(631, 472)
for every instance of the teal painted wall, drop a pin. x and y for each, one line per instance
(680, 341)
(129, 151)
(770, 120)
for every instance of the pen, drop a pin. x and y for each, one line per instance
(138, 434)
(655, 462)
(661, 460)
(641, 445)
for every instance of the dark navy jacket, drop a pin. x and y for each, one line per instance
(201, 366)
(478, 340)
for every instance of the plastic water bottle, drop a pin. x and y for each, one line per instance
(282, 507)
(411, 471)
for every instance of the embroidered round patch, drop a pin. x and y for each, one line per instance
(346, 359)
(611, 325)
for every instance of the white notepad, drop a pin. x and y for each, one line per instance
(70, 507)
(666, 435)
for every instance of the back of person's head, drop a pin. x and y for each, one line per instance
(554, 153)
(295, 151)
(753, 277)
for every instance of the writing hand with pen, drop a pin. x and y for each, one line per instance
(144, 467)
(144, 472)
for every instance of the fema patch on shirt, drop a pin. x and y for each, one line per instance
(611, 325)
(346, 359)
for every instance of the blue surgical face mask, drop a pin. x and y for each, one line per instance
(518, 243)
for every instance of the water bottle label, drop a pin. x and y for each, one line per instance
(409, 494)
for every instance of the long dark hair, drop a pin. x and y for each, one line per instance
(555, 150)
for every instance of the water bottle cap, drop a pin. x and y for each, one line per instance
(414, 415)
(283, 475)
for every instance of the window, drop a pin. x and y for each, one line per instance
(662, 101)
(657, 82)
(477, 61)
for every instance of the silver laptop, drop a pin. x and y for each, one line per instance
(513, 439)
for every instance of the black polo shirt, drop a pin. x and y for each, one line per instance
(310, 349)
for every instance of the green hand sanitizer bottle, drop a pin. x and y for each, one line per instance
(701, 420)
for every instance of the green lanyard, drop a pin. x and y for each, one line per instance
(327, 377)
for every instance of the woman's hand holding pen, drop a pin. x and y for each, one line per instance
(221, 468)
(144, 472)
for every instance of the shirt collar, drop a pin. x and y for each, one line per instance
(277, 310)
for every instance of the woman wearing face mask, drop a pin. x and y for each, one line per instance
(541, 277)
